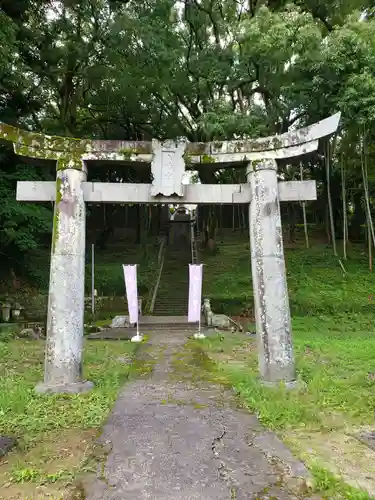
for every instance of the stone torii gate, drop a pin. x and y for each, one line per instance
(71, 191)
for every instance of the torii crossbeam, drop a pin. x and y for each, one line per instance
(168, 160)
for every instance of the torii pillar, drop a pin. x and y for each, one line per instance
(271, 301)
(66, 298)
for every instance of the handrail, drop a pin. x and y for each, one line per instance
(153, 300)
(161, 249)
(161, 255)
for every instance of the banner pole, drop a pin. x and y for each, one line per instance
(200, 335)
(131, 286)
(93, 279)
(137, 338)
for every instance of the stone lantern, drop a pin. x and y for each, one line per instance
(5, 312)
(16, 311)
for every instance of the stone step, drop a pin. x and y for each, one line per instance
(159, 329)
(164, 302)
(170, 303)
(170, 311)
(169, 299)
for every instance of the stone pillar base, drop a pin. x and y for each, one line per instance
(72, 388)
(293, 385)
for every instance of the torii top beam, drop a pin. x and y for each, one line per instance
(71, 153)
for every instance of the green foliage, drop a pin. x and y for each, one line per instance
(24, 413)
(332, 487)
(204, 70)
(21, 224)
(228, 280)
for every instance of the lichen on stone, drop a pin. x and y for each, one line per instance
(197, 148)
(32, 152)
(43, 142)
(69, 161)
(56, 215)
(187, 159)
(208, 159)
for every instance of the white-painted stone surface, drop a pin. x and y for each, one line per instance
(102, 192)
(297, 190)
(63, 363)
(271, 303)
(168, 168)
(284, 152)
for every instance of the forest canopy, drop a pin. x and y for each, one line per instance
(203, 69)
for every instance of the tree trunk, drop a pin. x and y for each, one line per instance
(292, 224)
(138, 226)
(304, 215)
(330, 209)
(344, 210)
(370, 224)
(369, 240)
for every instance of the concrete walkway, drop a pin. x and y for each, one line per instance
(175, 440)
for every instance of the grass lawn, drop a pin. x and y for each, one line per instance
(335, 358)
(56, 433)
(316, 281)
(334, 338)
(333, 331)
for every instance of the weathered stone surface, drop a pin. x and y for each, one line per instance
(201, 194)
(120, 322)
(272, 313)
(6, 444)
(68, 149)
(290, 139)
(367, 438)
(68, 388)
(65, 325)
(168, 168)
(178, 441)
(113, 334)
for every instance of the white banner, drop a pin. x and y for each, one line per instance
(130, 275)
(195, 292)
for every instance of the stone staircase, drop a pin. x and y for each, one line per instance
(173, 292)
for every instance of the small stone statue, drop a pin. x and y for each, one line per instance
(206, 309)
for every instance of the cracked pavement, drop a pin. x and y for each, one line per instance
(179, 441)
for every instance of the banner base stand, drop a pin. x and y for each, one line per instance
(199, 336)
(136, 338)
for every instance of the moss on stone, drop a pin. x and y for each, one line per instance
(138, 150)
(73, 161)
(141, 368)
(127, 152)
(207, 159)
(31, 152)
(277, 143)
(196, 148)
(255, 164)
(56, 215)
(43, 142)
(188, 159)
(217, 145)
